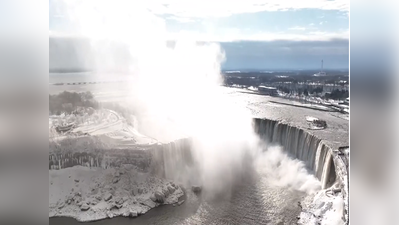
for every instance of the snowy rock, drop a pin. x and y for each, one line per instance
(61, 205)
(196, 189)
(94, 202)
(77, 199)
(335, 191)
(153, 198)
(149, 203)
(107, 196)
(171, 189)
(110, 214)
(115, 180)
(160, 197)
(98, 197)
(307, 219)
(133, 214)
(323, 208)
(84, 207)
(165, 192)
(135, 191)
(119, 201)
(181, 202)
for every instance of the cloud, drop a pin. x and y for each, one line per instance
(297, 28)
(204, 9)
(108, 19)
(181, 19)
(262, 36)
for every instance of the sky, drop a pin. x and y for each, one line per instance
(273, 34)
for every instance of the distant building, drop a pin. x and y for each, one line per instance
(272, 91)
(321, 73)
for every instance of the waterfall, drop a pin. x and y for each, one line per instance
(175, 160)
(329, 165)
(301, 145)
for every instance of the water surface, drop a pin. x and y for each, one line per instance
(251, 202)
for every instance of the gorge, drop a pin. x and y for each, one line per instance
(175, 161)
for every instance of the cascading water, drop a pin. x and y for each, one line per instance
(300, 145)
(178, 160)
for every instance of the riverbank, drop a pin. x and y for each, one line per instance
(90, 194)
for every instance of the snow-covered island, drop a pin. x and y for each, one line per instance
(89, 194)
(100, 167)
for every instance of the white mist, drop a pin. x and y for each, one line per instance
(178, 89)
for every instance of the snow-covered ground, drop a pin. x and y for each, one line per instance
(315, 105)
(89, 194)
(316, 102)
(326, 207)
(106, 123)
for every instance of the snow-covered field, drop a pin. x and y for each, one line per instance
(106, 123)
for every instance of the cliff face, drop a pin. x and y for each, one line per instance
(165, 160)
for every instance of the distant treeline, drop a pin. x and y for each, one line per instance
(256, 78)
(305, 91)
(67, 102)
(337, 95)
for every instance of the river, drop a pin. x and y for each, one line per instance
(251, 202)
